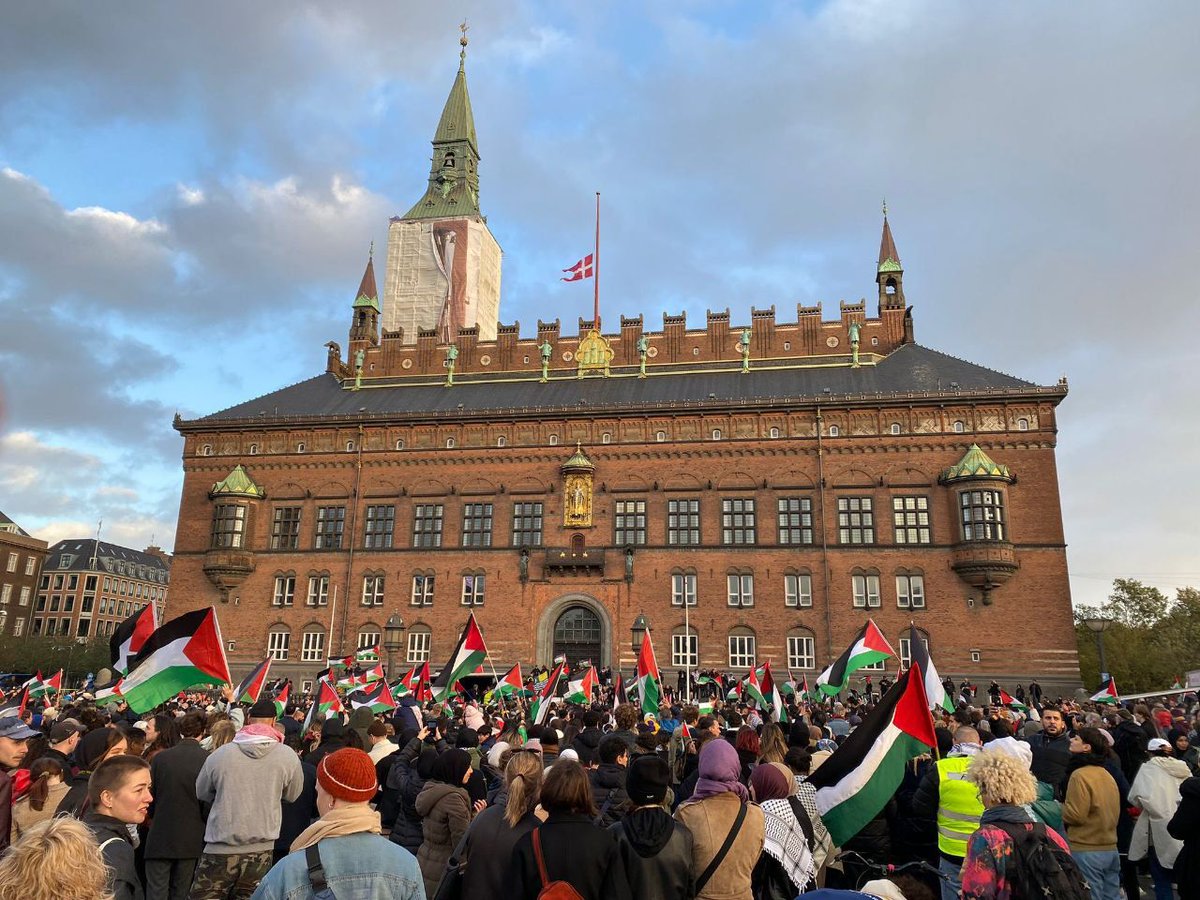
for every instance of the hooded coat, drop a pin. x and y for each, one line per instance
(657, 853)
(445, 811)
(407, 779)
(1156, 791)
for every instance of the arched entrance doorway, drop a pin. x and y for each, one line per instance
(578, 635)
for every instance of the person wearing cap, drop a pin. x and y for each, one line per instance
(245, 780)
(63, 738)
(176, 837)
(355, 860)
(656, 848)
(13, 736)
(1156, 790)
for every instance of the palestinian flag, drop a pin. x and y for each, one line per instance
(541, 705)
(805, 693)
(648, 680)
(16, 705)
(705, 679)
(581, 691)
(110, 693)
(857, 781)
(705, 707)
(868, 647)
(788, 688)
(468, 656)
(619, 695)
(510, 683)
(375, 673)
(772, 695)
(281, 701)
(326, 702)
(41, 688)
(421, 690)
(1007, 700)
(918, 652)
(367, 655)
(735, 692)
(752, 688)
(685, 733)
(251, 687)
(377, 698)
(1108, 693)
(128, 637)
(183, 653)
(340, 662)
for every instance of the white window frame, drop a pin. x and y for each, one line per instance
(14, 558)
(910, 591)
(797, 589)
(314, 647)
(801, 651)
(740, 590)
(865, 589)
(368, 639)
(418, 647)
(285, 590)
(30, 565)
(24, 601)
(683, 587)
(318, 590)
(18, 627)
(6, 593)
(685, 650)
(905, 649)
(474, 588)
(372, 590)
(422, 589)
(742, 647)
(278, 645)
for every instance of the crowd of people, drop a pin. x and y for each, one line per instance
(208, 799)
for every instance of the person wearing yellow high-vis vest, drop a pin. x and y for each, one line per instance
(946, 792)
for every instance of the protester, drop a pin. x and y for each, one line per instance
(175, 840)
(786, 866)
(93, 748)
(496, 830)
(119, 796)
(381, 745)
(445, 809)
(63, 739)
(163, 735)
(1185, 826)
(56, 859)
(608, 780)
(47, 785)
(568, 847)
(244, 781)
(407, 779)
(1051, 750)
(353, 859)
(945, 796)
(1091, 807)
(655, 848)
(1156, 791)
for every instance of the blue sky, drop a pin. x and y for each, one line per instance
(187, 195)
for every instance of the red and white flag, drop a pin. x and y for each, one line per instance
(581, 270)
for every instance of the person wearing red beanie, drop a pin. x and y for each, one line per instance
(347, 840)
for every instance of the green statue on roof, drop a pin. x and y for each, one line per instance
(546, 348)
(744, 344)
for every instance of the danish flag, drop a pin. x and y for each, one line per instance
(581, 270)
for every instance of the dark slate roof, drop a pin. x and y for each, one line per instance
(908, 370)
(76, 553)
(7, 524)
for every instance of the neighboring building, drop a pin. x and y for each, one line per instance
(88, 587)
(21, 559)
(754, 492)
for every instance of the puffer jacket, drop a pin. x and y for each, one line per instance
(399, 802)
(657, 852)
(587, 744)
(608, 793)
(445, 812)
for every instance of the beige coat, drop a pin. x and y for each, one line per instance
(25, 816)
(710, 820)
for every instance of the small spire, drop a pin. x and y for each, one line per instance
(371, 252)
(889, 256)
(885, 207)
(368, 293)
(462, 54)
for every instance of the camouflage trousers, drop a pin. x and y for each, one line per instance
(232, 876)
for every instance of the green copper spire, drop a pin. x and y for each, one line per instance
(237, 483)
(975, 464)
(454, 176)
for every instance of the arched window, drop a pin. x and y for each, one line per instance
(889, 286)
(448, 160)
(368, 636)
(501, 441)
(774, 432)
(864, 585)
(716, 434)
(797, 588)
(577, 545)
(279, 640)
(959, 426)
(400, 444)
(300, 447)
(660, 436)
(313, 648)
(801, 649)
(743, 650)
(910, 589)
(449, 443)
(206, 450)
(419, 643)
(554, 440)
(895, 429)
(834, 431)
(254, 449)
(349, 446)
(685, 648)
(1022, 424)
(606, 438)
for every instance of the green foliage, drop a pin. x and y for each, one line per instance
(49, 654)
(1151, 641)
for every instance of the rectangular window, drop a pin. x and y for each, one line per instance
(422, 590)
(72, 582)
(107, 583)
(331, 520)
(41, 604)
(13, 558)
(856, 520)
(31, 566)
(910, 518)
(629, 523)
(418, 646)
(866, 591)
(982, 515)
(83, 627)
(795, 520)
(25, 597)
(58, 582)
(285, 528)
(906, 651)
(427, 525)
(742, 653)
(6, 593)
(89, 583)
(381, 522)
(797, 589)
(472, 590)
(69, 603)
(318, 590)
(910, 591)
(228, 525)
(477, 525)
(737, 521)
(685, 650)
(285, 590)
(683, 589)
(55, 601)
(801, 652)
(278, 643)
(527, 525)
(368, 640)
(372, 592)
(741, 590)
(314, 647)
(37, 626)
(18, 627)
(306, 686)
(89, 602)
(683, 522)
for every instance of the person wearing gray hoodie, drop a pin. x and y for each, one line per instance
(244, 781)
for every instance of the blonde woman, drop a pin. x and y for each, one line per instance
(57, 859)
(222, 733)
(773, 746)
(495, 831)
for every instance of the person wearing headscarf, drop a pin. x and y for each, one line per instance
(93, 748)
(445, 809)
(1155, 790)
(711, 814)
(786, 866)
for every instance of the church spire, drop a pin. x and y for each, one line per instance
(454, 175)
(889, 274)
(364, 326)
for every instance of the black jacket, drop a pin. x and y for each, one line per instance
(177, 817)
(575, 851)
(1129, 743)
(608, 793)
(490, 842)
(74, 801)
(117, 850)
(299, 814)
(1185, 826)
(656, 851)
(587, 744)
(405, 784)
(1050, 758)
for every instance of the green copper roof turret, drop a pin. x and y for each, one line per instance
(578, 462)
(237, 483)
(975, 464)
(368, 294)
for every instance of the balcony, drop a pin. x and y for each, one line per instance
(984, 564)
(565, 561)
(227, 568)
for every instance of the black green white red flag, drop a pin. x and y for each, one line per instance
(327, 701)
(649, 683)
(366, 655)
(127, 640)
(619, 695)
(421, 690)
(1108, 693)
(772, 695)
(376, 698)
(935, 690)
(41, 687)
(251, 687)
(868, 647)
(857, 781)
(581, 691)
(183, 653)
(541, 703)
(1007, 700)
(468, 655)
(511, 683)
(281, 700)
(16, 705)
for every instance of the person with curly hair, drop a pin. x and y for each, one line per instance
(57, 859)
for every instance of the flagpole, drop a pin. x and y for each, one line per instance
(687, 656)
(596, 269)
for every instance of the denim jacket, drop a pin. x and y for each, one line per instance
(357, 867)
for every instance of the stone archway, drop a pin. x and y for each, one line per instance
(555, 617)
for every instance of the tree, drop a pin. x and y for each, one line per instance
(48, 654)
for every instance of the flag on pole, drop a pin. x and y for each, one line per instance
(648, 680)
(581, 691)
(581, 270)
(327, 701)
(128, 637)
(468, 655)
(541, 704)
(251, 687)
(281, 701)
(619, 696)
(857, 781)
(185, 652)
(375, 673)
(41, 688)
(510, 683)
(421, 690)
(1007, 700)
(772, 695)
(752, 688)
(110, 693)
(868, 647)
(366, 655)
(340, 662)
(15, 706)
(1108, 693)
(805, 693)
(376, 698)
(918, 652)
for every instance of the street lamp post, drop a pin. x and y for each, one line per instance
(393, 639)
(640, 626)
(1098, 626)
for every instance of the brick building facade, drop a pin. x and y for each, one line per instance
(21, 558)
(754, 491)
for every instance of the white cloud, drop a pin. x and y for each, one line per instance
(188, 195)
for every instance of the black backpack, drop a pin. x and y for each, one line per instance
(1041, 868)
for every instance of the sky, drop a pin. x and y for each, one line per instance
(188, 194)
